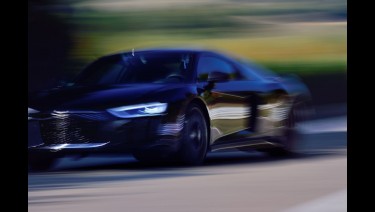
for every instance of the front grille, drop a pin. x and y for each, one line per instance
(68, 128)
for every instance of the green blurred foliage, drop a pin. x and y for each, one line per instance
(304, 36)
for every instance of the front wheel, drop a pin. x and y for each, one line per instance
(195, 137)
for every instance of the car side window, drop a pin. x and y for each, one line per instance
(207, 64)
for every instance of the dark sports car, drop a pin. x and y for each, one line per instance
(167, 104)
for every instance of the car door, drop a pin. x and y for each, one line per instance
(228, 107)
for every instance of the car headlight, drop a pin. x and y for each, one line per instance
(132, 111)
(30, 111)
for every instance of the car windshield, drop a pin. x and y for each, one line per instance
(138, 67)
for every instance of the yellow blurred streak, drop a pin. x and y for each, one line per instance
(283, 35)
(311, 42)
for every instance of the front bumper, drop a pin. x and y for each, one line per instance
(101, 132)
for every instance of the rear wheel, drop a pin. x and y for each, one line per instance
(195, 137)
(288, 141)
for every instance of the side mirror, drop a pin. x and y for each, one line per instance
(217, 76)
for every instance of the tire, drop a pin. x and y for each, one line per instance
(41, 162)
(195, 137)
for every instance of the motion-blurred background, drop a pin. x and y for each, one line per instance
(304, 37)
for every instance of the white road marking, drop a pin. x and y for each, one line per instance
(337, 124)
(336, 202)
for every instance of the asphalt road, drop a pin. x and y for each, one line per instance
(315, 180)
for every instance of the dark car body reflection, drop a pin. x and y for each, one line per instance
(166, 104)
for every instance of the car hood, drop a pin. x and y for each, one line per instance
(96, 97)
